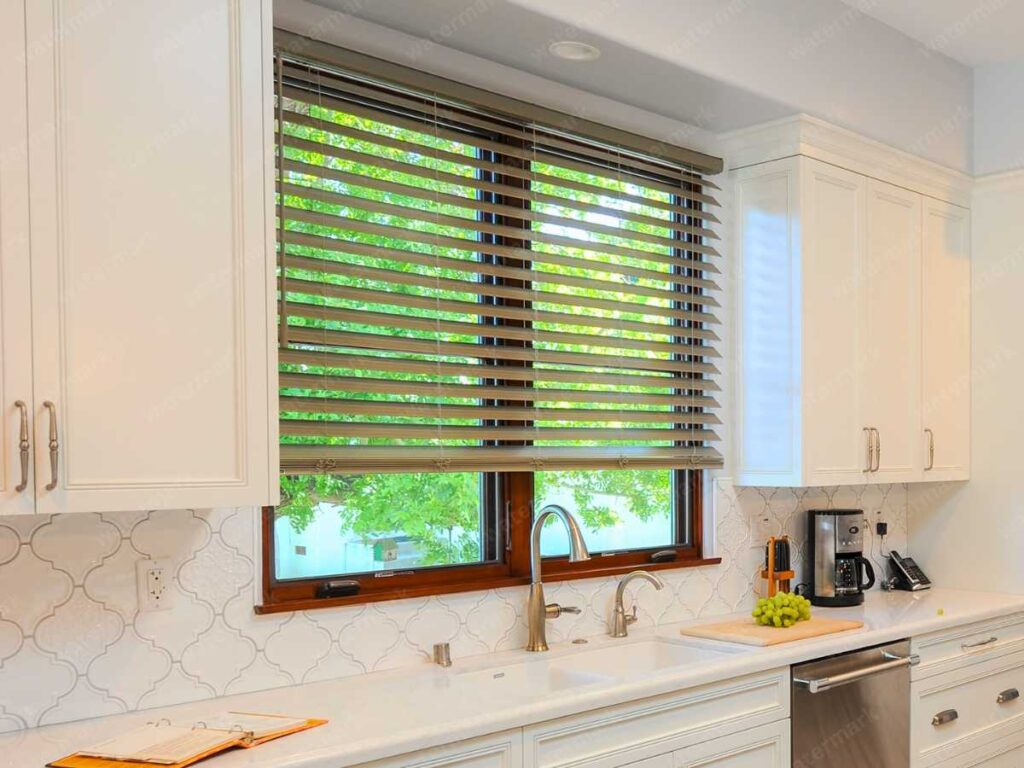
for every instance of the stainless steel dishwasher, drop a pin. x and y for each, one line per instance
(853, 710)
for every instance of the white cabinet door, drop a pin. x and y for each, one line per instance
(946, 341)
(151, 252)
(893, 342)
(832, 205)
(764, 747)
(499, 750)
(17, 494)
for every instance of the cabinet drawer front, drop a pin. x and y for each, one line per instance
(500, 750)
(951, 713)
(764, 747)
(945, 651)
(618, 735)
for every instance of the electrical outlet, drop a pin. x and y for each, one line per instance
(765, 529)
(153, 579)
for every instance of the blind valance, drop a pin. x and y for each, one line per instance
(462, 291)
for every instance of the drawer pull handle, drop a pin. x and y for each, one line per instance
(945, 716)
(979, 644)
(1008, 695)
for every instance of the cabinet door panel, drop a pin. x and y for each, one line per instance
(150, 252)
(500, 750)
(893, 342)
(764, 747)
(833, 202)
(946, 340)
(15, 298)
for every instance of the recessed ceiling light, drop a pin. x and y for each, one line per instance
(574, 50)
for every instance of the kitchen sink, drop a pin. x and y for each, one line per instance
(537, 676)
(638, 658)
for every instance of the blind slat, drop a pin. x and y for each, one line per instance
(439, 131)
(367, 385)
(426, 194)
(378, 364)
(484, 289)
(409, 235)
(299, 334)
(460, 222)
(627, 289)
(333, 458)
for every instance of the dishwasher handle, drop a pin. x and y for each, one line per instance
(821, 684)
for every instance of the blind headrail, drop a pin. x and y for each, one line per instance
(370, 66)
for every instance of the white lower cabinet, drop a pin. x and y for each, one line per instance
(764, 747)
(626, 734)
(967, 697)
(499, 750)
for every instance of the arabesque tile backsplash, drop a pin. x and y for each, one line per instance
(73, 644)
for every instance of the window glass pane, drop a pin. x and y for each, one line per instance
(328, 525)
(618, 509)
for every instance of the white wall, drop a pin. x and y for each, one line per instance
(969, 534)
(999, 118)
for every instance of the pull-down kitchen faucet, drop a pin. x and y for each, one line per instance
(537, 612)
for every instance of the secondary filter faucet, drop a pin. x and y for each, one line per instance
(537, 612)
(620, 620)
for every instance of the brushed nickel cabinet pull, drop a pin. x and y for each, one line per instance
(979, 644)
(871, 448)
(931, 449)
(878, 450)
(54, 445)
(1008, 695)
(945, 716)
(23, 445)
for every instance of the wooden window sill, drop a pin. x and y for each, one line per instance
(405, 593)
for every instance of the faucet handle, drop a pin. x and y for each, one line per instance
(554, 610)
(631, 617)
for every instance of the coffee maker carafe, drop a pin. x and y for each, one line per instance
(839, 571)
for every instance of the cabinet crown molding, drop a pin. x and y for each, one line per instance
(813, 137)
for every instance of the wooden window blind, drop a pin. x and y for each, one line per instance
(464, 291)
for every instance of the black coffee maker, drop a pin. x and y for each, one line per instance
(839, 572)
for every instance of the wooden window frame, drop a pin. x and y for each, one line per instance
(510, 498)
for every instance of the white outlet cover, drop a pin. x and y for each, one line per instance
(153, 581)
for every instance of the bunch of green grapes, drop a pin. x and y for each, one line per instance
(783, 610)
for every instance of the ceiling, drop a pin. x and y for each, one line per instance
(974, 32)
(516, 36)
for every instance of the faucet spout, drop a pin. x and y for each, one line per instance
(537, 611)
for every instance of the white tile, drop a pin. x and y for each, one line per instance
(30, 590)
(9, 543)
(82, 702)
(79, 630)
(130, 668)
(219, 655)
(76, 543)
(33, 682)
(298, 646)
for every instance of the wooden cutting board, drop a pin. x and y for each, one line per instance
(747, 632)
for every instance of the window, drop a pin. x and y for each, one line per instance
(479, 315)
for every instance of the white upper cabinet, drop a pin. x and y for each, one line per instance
(840, 348)
(892, 350)
(946, 348)
(16, 472)
(151, 256)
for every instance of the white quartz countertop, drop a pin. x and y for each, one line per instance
(390, 713)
